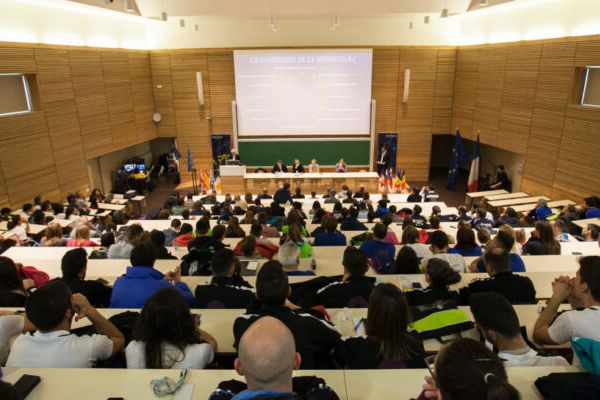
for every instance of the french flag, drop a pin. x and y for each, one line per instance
(474, 173)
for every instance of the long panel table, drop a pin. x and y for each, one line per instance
(256, 182)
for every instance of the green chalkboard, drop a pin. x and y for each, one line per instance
(355, 152)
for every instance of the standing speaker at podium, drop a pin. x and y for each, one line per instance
(234, 156)
(383, 160)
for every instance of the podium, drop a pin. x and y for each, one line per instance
(232, 178)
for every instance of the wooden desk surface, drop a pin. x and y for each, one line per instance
(551, 204)
(506, 196)
(583, 223)
(511, 202)
(102, 383)
(113, 207)
(407, 383)
(474, 195)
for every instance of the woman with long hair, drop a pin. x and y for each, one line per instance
(53, 236)
(467, 370)
(407, 261)
(466, 245)
(234, 230)
(387, 343)
(438, 275)
(13, 290)
(542, 241)
(166, 335)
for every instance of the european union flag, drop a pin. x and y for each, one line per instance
(190, 160)
(458, 156)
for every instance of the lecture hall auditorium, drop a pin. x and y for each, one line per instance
(317, 199)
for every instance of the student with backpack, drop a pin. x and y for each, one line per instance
(380, 253)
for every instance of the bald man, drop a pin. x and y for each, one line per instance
(266, 359)
(267, 356)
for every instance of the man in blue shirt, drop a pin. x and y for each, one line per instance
(283, 195)
(351, 222)
(141, 280)
(542, 211)
(591, 207)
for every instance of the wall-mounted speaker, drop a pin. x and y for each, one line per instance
(406, 85)
(200, 88)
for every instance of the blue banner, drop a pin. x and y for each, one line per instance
(390, 142)
(221, 148)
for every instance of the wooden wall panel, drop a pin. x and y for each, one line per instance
(58, 103)
(220, 90)
(384, 89)
(193, 128)
(465, 89)
(140, 74)
(444, 91)
(520, 85)
(163, 93)
(490, 83)
(90, 97)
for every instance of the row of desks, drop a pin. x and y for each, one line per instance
(75, 384)
(520, 201)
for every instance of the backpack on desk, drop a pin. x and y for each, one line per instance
(440, 319)
(382, 263)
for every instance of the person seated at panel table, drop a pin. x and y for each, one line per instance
(297, 168)
(438, 276)
(499, 324)
(387, 341)
(166, 335)
(516, 288)
(466, 369)
(341, 166)
(74, 268)
(331, 236)
(266, 359)
(279, 167)
(51, 310)
(233, 155)
(583, 294)
(316, 338)
(313, 167)
(227, 288)
(141, 280)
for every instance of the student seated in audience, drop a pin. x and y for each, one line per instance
(438, 276)
(293, 218)
(411, 238)
(561, 233)
(466, 245)
(283, 195)
(390, 236)
(172, 232)
(266, 359)
(331, 198)
(591, 232)
(583, 294)
(289, 257)
(293, 235)
(226, 288)
(591, 207)
(466, 369)
(315, 338)
(74, 267)
(382, 209)
(53, 236)
(407, 261)
(267, 231)
(510, 217)
(234, 230)
(166, 335)
(203, 240)
(516, 288)
(414, 196)
(158, 240)
(17, 230)
(184, 237)
(264, 247)
(506, 241)
(387, 341)
(14, 291)
(331, 236)
(351, 222)
(141, 280)
(418, 220)
(11, 325)
(498, 322)
(82, 238)
(298, 193)
(353, 288)
(541, 211)
(51, 310)
(134, 235)
(481, 221)
(439, 249)
(373, 247)
(542, 241)
(246, 249)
